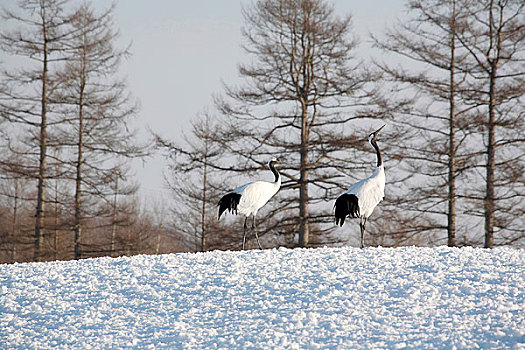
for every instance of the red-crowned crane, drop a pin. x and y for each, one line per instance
(249, 198)
(362, 197)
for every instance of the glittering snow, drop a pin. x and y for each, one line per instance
(328, 298)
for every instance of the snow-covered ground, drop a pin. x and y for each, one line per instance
(344, 298)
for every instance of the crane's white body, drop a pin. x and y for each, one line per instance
(369, 191)
(255, 195)
(362, 197)
(249, 198)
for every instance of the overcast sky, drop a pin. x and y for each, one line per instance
(182, 50)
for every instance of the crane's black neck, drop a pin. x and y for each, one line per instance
(274, 171)
(379, 157)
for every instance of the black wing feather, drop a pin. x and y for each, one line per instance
(346, 205)
(230, 202)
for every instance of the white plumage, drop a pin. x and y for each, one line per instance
(255, 195)
(369, 191)
(249, 198)
(362, 197)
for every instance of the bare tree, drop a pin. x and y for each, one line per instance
(16, 216)
(41, 27)
(193, 180)
(66, 114)
(97, 110)
(434, 149)
(301, 88)
(470, 41)
(494, 37)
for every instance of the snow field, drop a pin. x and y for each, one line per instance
(328, 298)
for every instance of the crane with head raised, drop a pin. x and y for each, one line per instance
(362, 197)
(249, 198)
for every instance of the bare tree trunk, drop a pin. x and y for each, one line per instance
(78, 178)
(15, 222)
(451, 227)
(114, 223)
(80, 155)
(41, 194)
(304, 227)
(495, 46)
(489, 198)
(157, 246)
(204, 188)
(55, 245)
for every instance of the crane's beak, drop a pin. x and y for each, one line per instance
(373, 135)
(378, 130)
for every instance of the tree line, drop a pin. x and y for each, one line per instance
(447, 79)
(66, 138)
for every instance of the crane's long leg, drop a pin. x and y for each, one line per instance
(255, 231)
(244, 233)
(362, 225)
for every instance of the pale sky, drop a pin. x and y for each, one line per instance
(182, 50)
